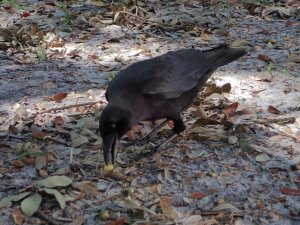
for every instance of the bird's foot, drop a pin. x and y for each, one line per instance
(179, 125)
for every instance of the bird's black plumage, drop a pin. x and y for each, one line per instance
(161, 87)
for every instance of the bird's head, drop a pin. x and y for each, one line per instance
(114, 123)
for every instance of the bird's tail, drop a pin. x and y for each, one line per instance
(223, 55)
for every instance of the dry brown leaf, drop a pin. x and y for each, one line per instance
(272, 109)
(295, 59)
(88, 187)
(78, 221)
(115, 175)
(119, 221)
(132, 132)
(60, 129)
(58, 120)
(264, 58)
(18, 216)
(226, 88)
(290, 191)
(198, 195)
(60, 96)
(167, 209)
(17, 163)
(40, 135)
(230, 111)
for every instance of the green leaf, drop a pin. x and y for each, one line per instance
(7, 201)
(59, 197)
(245, 146)
(55, 181)
(31, 204)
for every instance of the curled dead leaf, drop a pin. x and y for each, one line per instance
(18, 216)
(58, 120)
(198, 195)
(272, 109)
(226, 88)
(290, 191)
(60, 96)
(40, 135)
(264, 58)
(230, 110)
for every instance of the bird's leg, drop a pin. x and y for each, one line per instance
(179, 126)
(148, 136)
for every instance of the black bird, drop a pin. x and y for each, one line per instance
(161, 87)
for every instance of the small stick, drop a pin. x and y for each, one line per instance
(46, 218)
(64, 107)
(281, 119)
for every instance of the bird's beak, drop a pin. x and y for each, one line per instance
(110, 144)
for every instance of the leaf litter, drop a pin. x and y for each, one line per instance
(232, 164)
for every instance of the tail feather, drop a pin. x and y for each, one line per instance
(223, 55)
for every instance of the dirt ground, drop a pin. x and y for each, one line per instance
(238, 164)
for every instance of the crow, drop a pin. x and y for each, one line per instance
(160, 87)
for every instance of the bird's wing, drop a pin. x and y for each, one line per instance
(174, 74)
(170, 75)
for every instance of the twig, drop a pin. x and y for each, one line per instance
(63, 107)
(108, 188)
(282, 132)
(6, 57)
(281, 120)
(46, 218)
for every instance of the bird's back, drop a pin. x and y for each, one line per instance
(171, 74)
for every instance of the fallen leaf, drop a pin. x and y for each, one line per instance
(295, 59)
(226, 206)
(226, 88)
(7, 201)
(263, 157)
(117, 222)
(48, 85)
(116, 175)
(232, 139)
(272, 109)
(31, 204)
(78, 221)
(40, 162)
(25, 14)
(40, 135)
(264, 58)
(18, 216)
(192, 220)
(58, 120)
(60, 96)
(245, 147)
(239, 43)
(55, 181)
(198, 195)
(230, 110)
(78, 139)
(167, 209)
(290, 191)
(261, 205)
(88, 187)
(59, 197)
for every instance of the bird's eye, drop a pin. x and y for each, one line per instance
(113, 125)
